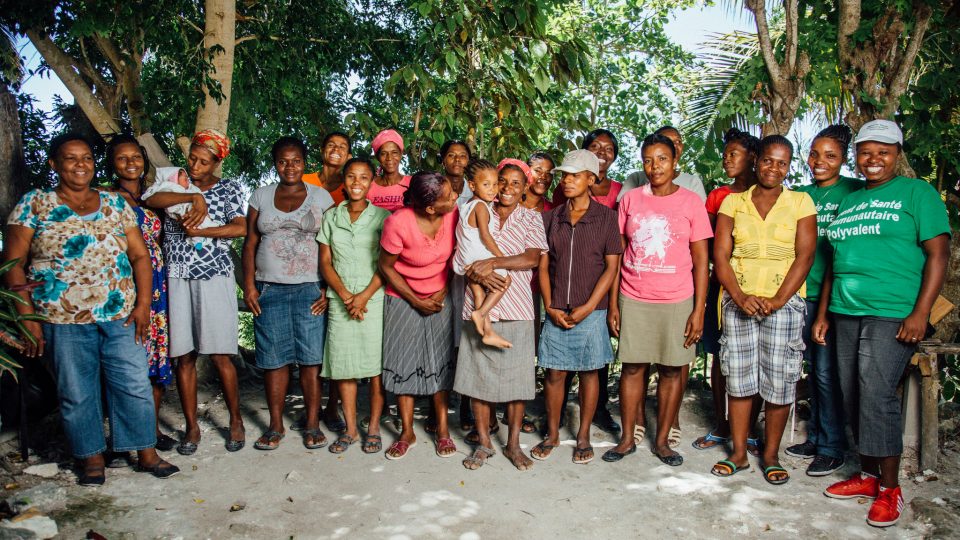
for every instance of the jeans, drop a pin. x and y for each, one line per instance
(825, 428)
(871, 363)
(80, 353)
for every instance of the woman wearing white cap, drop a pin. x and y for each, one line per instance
(891, 245)
(575, 279)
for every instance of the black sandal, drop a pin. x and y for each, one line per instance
(373, 444)
(165, 443)
(270, 440)
(319, 439)
(161, 469)
(87, 478)
(342, 444)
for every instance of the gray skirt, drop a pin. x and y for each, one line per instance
(417, 350)
(497, 375)
(653, 333)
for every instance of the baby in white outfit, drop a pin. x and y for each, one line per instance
(175, 180)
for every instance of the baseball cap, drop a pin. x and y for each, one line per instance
(883, 131)
(579, 161)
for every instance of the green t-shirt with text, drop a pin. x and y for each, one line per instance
(877, 254)
(827, 200)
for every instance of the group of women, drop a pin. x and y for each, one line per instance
(347, 274)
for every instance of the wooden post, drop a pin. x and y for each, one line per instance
(929, 416)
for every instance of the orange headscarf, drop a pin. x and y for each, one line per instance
(213, 140)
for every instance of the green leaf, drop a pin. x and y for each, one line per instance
(542, 80)
(451, 58)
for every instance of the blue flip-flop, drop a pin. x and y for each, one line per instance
(710, 437)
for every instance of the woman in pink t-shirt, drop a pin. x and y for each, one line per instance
(417, 244)
(662, 293)
(387, 190)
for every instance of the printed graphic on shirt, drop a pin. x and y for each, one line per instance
(650, 241)
(865, 218)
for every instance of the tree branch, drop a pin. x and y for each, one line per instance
(898, 84)
(792, 21)
(848, 24)
(759, 10)
(63, 65)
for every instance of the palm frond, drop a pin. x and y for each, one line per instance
(723, 62)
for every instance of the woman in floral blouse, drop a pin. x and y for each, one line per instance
(129, 162)
(93, 269)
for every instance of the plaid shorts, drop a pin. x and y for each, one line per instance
(763, 354)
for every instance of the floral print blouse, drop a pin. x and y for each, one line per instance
(80, 262)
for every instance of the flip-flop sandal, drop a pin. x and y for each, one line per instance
(342, 444)
(235, 445)
(446, 447)
(401, 447)
(319, 439)
(474, 438)
(716, 440)
(754, 447)
(479, 457)
(542, 451)
(527, 426)
(270, 440)
(769, 472)
(730, 467)
(372, 444)
(580, 452)
(639, 432)
(673, 437)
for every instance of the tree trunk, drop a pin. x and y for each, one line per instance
(62, 65)
(11, 152)
(220, 20)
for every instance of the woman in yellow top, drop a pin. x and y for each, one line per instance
(764, 246)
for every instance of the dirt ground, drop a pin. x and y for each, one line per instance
(294, 492)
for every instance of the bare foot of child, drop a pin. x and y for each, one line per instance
(478, 321)
(495, 340)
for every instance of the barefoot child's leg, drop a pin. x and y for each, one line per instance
(479, 297)
(489, 336)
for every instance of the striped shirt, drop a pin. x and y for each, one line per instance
(577, 253)
(523, 230)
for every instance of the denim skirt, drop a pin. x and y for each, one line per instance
(584, 347)
(285, 331)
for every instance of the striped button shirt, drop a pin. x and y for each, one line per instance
(523, 230)
(577, 252)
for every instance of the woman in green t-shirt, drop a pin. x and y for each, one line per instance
(826, 440)
(891, 245)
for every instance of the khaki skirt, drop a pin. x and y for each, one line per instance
(653, 333)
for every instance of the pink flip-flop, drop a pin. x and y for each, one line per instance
(446, 443)
(400, 446)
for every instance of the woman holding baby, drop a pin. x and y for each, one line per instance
(201, 286)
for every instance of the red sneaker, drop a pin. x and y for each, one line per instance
(885, 511)
(857, 486)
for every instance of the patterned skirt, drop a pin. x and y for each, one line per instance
(417, 350)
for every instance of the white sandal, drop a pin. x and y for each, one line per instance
(673, 437)
(638, 433)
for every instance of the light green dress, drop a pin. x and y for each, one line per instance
(353, 349)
